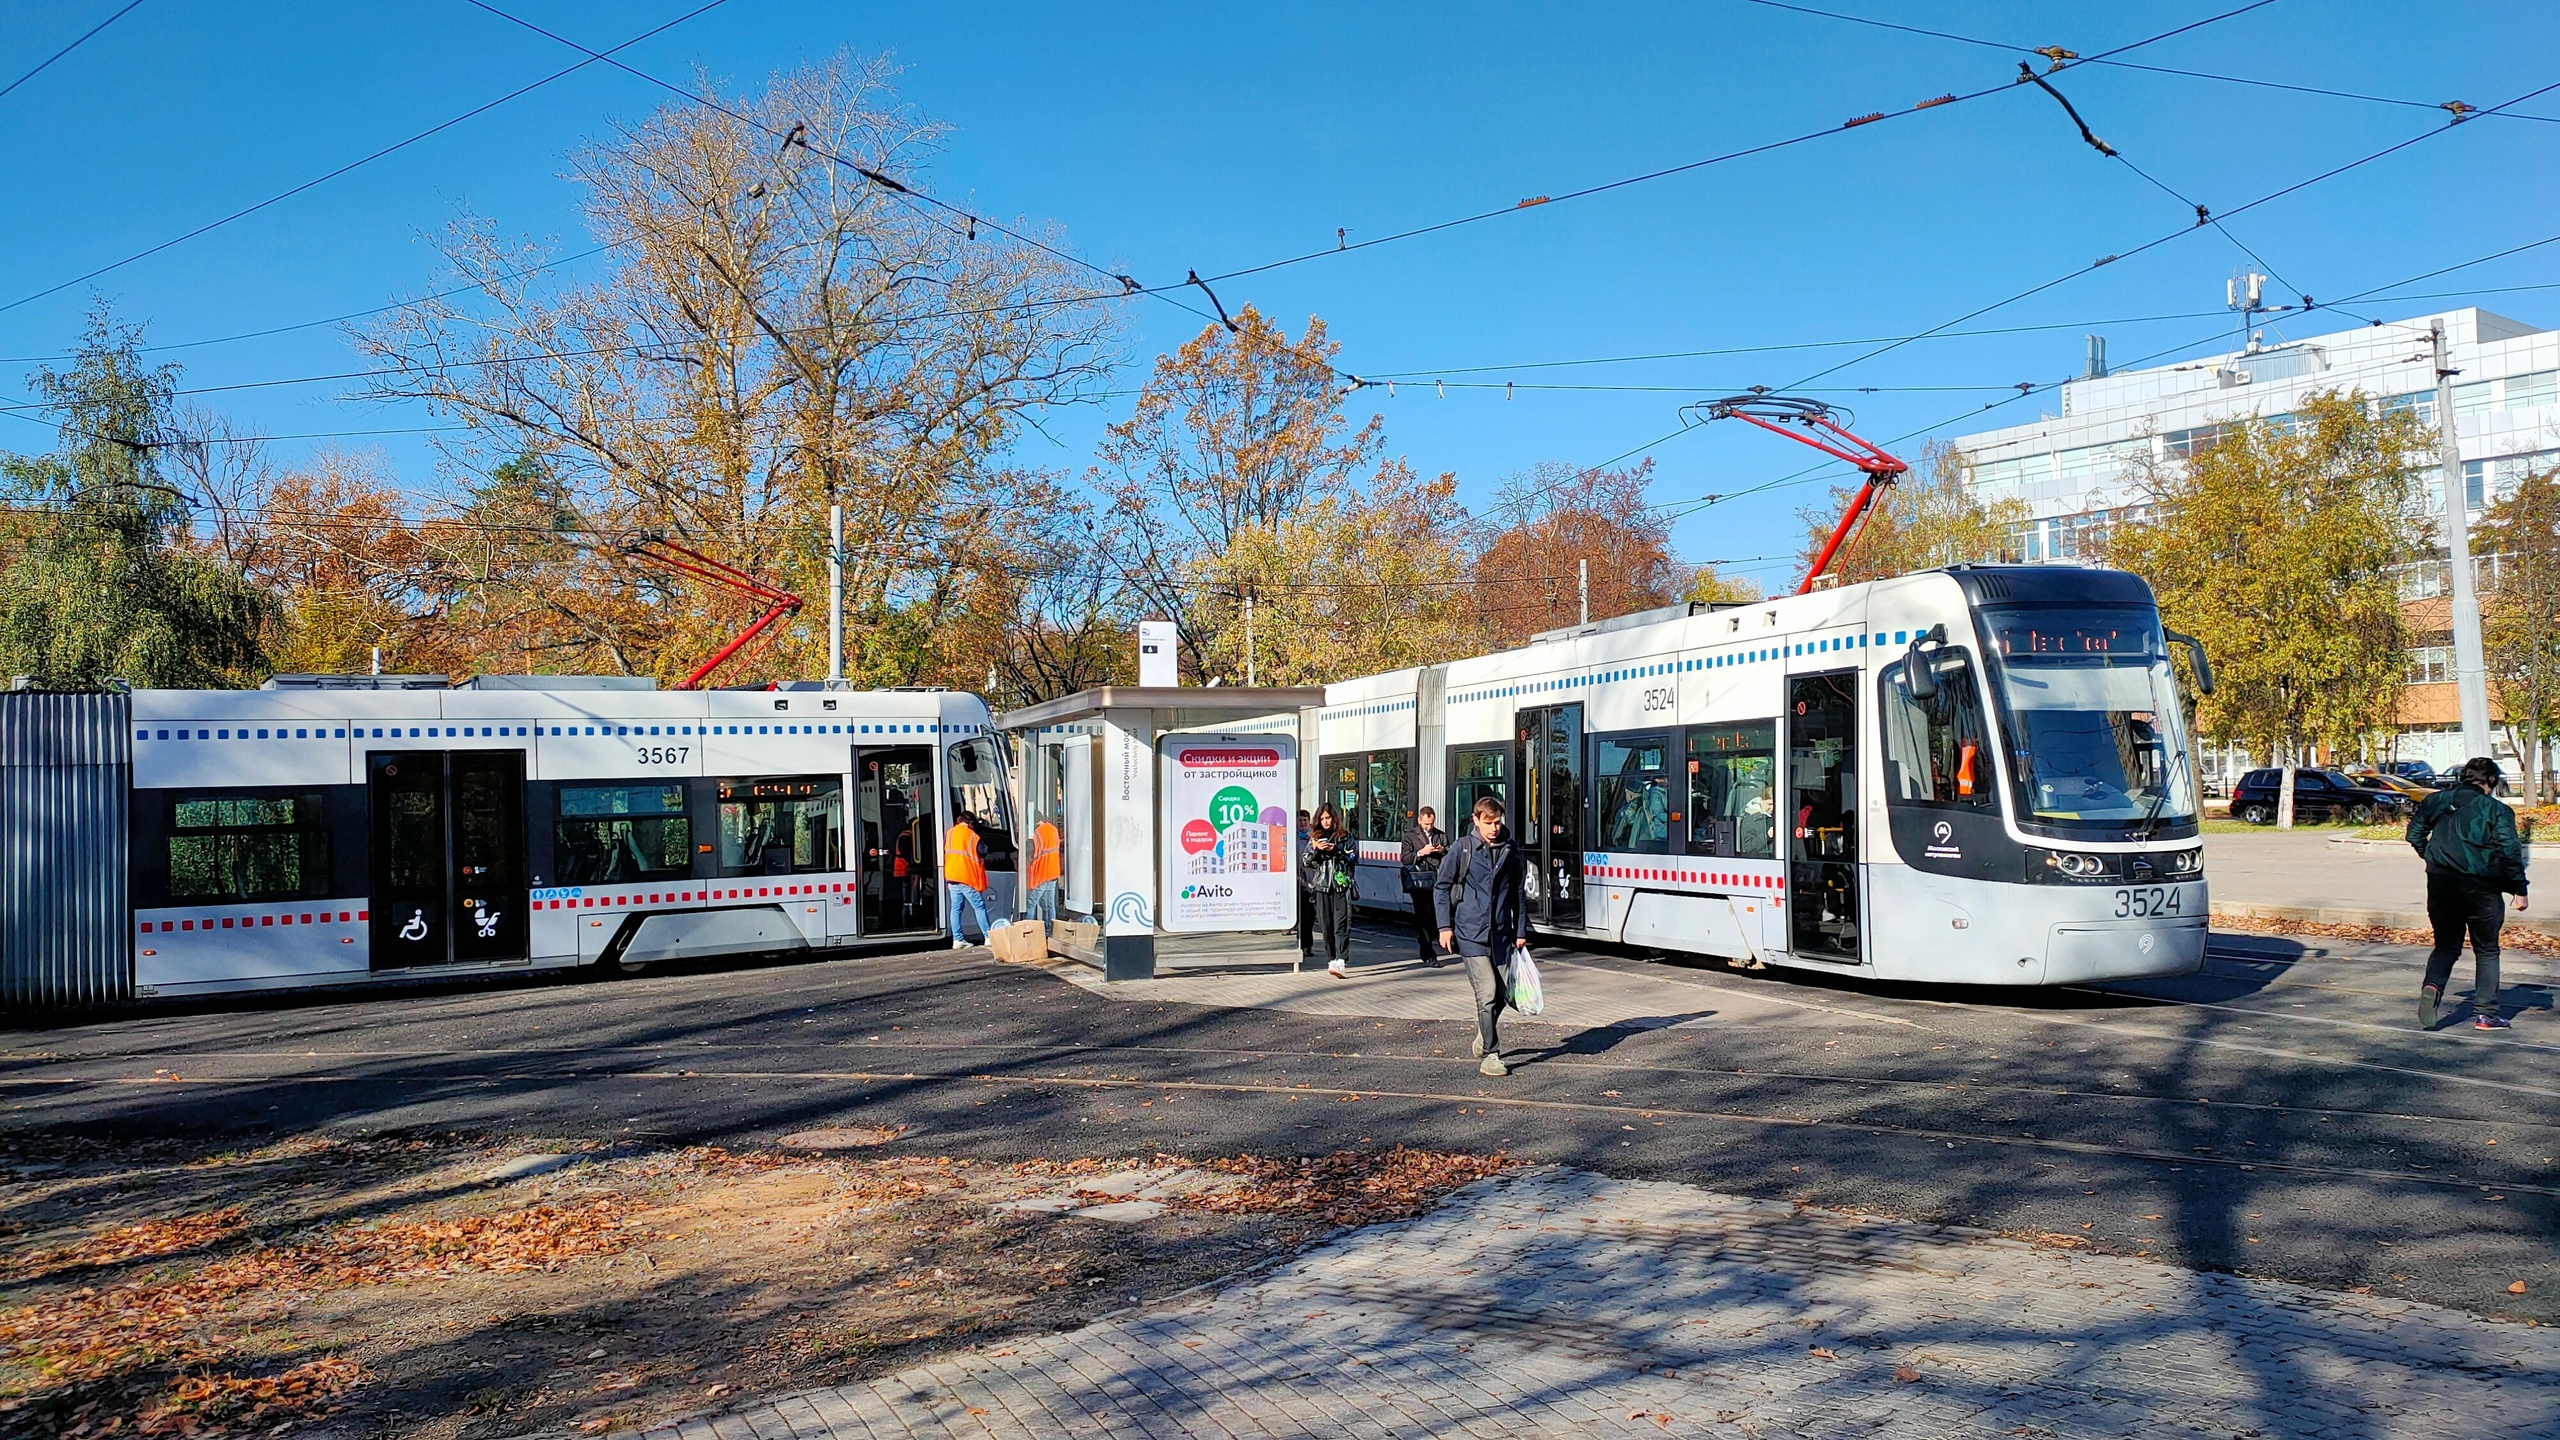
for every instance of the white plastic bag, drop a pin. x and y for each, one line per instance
(1527, 995)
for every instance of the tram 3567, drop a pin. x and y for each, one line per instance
(336, 830)
(1975, 775)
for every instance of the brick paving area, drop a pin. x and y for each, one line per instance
(1566, 1303)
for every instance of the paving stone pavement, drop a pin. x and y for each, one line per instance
(1560, 1302)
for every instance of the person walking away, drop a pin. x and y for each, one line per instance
(1482, 900)
(964, 877)
(2468, 838)
(1332, 861)
(1424, 845)
(1046, 871)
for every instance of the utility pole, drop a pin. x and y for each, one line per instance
(1583, 568)
(2470, 663)
(1248, 642)
(835, 594)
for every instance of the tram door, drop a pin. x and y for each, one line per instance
(448, 881)
(900, 839)
(1822, 809)
(1547, 758)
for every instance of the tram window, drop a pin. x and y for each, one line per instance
(1474, 774)
(1635, 795)
(1936, 751)
(786, 826)
(248, 847)
(615, 834)
(1388, 804)
(977, 786)
(1733, 801)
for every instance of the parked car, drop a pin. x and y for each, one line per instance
(2317, 795)
(2414, 790)
(2422, 772)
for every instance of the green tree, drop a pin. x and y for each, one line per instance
(99, 579)
(2520, 615)
(2274, 546)
(1929, 519)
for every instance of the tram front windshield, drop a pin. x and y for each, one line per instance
(2096, 739)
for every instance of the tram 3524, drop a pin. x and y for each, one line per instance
(1975, 775)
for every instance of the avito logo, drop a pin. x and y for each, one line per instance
(1207, 892)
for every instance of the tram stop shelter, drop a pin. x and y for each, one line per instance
(1174, 810)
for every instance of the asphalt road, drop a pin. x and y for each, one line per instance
(2275, 1116)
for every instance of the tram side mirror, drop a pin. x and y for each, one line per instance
(2195, 657)
(1917, 673)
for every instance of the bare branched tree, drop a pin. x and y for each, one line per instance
(776, 331)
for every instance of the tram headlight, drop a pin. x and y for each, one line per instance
(2184, 864)
(2066, 867)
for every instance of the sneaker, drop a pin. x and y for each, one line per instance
(2428, 999)
(1477, 1052)
(1493, 1066)
(1335, 969)
(2491, 1022)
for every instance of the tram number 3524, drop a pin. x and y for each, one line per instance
(1661, 699)
(668, 755)
(2149, 900)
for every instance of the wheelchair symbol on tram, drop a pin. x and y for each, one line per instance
(414, 929)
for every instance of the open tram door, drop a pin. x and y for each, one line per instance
(1822, 817)
(898, 834)
(1547, 821)
(448, 881)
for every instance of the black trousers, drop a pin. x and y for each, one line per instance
(2455, 905)
(1306, 921)
(1426, 923)
(1333, 920)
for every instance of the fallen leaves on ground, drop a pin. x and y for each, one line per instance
(141, 1241)
(249, 1404)
(1348, 1187)
(90, 1336)
(2513, 937)
(1905, 1375)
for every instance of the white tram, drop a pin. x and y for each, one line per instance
(327, 831)
(1974, 775)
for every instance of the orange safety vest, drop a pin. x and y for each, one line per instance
(960, 862)
(1045, 865)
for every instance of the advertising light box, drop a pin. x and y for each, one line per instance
(1226, 858)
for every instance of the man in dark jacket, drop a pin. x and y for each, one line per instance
(2468, 837)
(1425, 843)
(1483, 904)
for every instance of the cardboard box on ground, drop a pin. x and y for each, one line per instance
(1020, 941)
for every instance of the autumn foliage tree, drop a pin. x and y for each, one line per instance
(2275, 547)
(775, 332)
(2520, 615)
(1553, 519)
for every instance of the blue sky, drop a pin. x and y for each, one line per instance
(1165, 139)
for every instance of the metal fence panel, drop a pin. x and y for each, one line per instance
(66, 782)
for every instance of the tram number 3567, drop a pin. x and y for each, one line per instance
(666, 754)
(2149, 900)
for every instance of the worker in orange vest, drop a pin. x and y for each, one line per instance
(964, 877)
(1046, 871)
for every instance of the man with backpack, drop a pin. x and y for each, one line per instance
(2474, 857)
(1482, 899)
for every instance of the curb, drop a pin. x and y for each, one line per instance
(2358, 842)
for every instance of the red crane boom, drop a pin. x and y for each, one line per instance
(1774, 413)
(693, 564)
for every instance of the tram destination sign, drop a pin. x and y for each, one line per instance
(1226, 857)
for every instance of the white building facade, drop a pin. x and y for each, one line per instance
(2080, 470)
